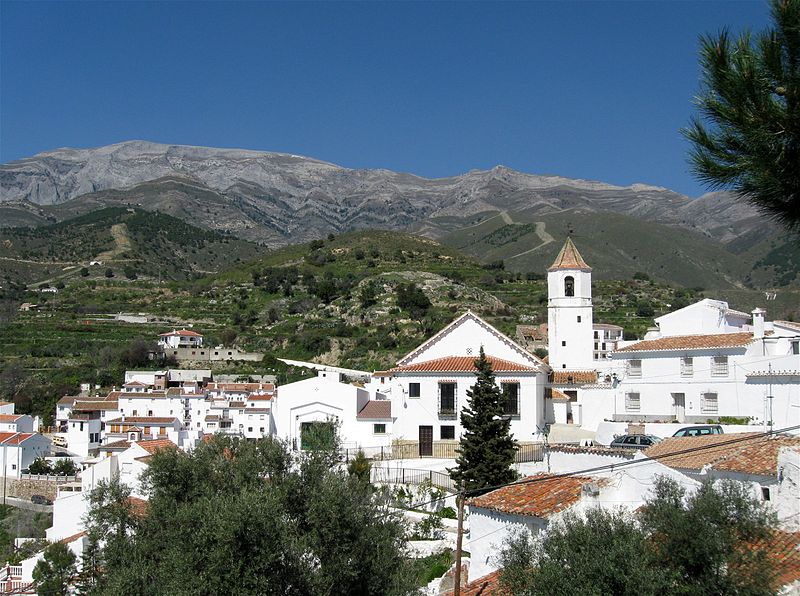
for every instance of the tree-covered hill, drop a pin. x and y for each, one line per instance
(127, 242)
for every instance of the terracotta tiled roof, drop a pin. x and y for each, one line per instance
(138, 506)
(10, 417)
(691, 342)
(181, 333)
(377, 409)
(211, 418)
(93, 406)
(67, 400)
(72, 538)
(573, 377)
(488, 585)
(558, 394)
(146, 420)
(156, 445)
(259, 397)
(135, 384)
(15, 438)
(783, 553)
(757, 455)
(462, 364)
(540, 496)
(122, 445)
(467, 316)
(569, 258)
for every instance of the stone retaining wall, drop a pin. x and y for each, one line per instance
(26, 487)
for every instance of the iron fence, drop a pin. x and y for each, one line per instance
(526, 452)
(412, 476)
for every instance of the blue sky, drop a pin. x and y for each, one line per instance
(595, 90)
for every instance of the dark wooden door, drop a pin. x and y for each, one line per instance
(425, 441)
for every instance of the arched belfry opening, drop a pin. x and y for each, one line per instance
(569, 286)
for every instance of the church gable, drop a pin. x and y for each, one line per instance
(464, 337)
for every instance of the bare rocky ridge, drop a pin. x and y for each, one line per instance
(277, 198)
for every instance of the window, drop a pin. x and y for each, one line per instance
(687, 366)
(511, 395)
(710, 403)
(579, 318)
(633, 402)
(413, 390)
(569, 286)
(719, 366)
(635, 368)
(447, 399)
(564, 344)
(249, 429)
(135, 413)
(765, 493)
(796, 347)
(261, 429)
(149, 412)
(447, 433)
(379, 429)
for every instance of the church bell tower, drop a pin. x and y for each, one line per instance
(569, 311)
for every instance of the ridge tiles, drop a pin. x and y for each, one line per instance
(569, 258)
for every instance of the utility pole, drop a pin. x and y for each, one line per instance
(769, 398)
(459, 540)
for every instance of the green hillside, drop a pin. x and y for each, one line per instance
(124, 242)
(360, 300)
(616, 246)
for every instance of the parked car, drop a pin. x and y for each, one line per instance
(699, 431)
(634, 441)
(40, 500)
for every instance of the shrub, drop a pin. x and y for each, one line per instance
(430, 528)
(448, 513)
(40, 467)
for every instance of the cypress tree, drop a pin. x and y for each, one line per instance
(486, 449)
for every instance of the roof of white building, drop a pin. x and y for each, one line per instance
(10, 417)
(691, 342)
(541, 495)
(181, 333)
(378, 409)
(462, 364)
(146, 420)
(788, 324)
(15, 438)
(470, 316)
(572, 377)
(95, 405)
(745, 453)
(569, 258)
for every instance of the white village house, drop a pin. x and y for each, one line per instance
(702, 362)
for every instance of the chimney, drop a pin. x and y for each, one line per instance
(758, 323)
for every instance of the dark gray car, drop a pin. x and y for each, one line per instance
(635, 441)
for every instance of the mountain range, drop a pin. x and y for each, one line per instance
(277, 199)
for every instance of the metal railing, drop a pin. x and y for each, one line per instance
(412, 476)
(526, 452)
